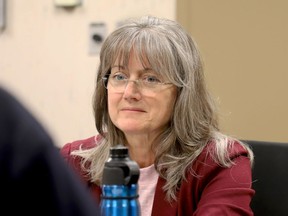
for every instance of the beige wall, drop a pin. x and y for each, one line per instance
(44, 58)
(245, 49)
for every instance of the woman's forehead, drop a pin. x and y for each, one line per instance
(123, 59)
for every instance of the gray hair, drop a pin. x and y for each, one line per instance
(170, 51)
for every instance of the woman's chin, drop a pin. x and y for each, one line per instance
(130, 128)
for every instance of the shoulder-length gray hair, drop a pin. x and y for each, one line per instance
(170, 51)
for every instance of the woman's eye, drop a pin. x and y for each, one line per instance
(151, 79)
(119, 77)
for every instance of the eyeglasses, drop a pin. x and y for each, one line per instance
(119, 82)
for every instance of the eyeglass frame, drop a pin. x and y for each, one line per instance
(106, 77)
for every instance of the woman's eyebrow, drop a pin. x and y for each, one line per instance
(118, 66)
(147, 69)
(144, 70)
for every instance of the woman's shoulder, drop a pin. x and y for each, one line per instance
(83, 144)
(234, 147)
(214, 159)
(226, 151)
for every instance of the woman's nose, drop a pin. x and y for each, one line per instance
(132, 90)
(132, 84)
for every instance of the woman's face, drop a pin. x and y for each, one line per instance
(137, 109)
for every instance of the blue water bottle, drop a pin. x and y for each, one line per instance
(119, 184)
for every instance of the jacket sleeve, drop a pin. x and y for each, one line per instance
(218, 190)
(227, 191)
(75, 161)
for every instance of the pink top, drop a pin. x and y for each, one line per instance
(147, 184)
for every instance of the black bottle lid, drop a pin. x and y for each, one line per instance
(119, 169)
(119, 151)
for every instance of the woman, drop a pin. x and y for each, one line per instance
(151, 96)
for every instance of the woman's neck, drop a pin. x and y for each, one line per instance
(141, 150)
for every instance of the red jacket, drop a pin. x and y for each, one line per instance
(217, 192)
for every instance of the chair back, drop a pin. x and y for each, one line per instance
(270, 178)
